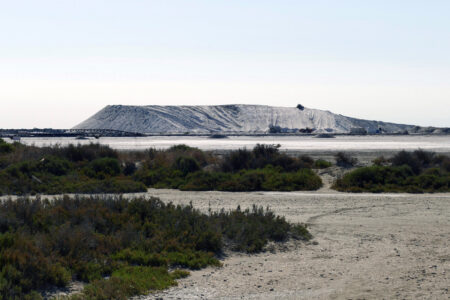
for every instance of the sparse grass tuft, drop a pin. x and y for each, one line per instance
(129, 281)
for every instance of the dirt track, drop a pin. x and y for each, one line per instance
(366, 246)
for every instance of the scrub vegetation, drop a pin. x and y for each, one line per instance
(121, 247)
(53, 170)
(412, 172)
(262, 169)
(95, 168)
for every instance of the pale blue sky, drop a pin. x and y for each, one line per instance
(61, 61)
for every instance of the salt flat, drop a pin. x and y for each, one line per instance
(365, 246)
(379, 144)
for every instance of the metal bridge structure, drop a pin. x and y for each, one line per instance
(49, 132)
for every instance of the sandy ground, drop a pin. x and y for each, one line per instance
(365, 246)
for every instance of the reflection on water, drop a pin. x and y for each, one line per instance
(344, 143)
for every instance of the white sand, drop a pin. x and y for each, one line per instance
(370, 246)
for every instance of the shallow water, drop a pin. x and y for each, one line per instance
(290, 143)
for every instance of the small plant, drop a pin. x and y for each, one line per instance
(5, 147)
(129, 168)
(322, 164)
(380, 161)
(345, 160)
(181, 148)
(129, 281)
(417, 160)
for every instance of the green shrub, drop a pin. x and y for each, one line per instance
(178, 274)
(115, 185)
(268, 151)
(244, 181)
(186, 165)
(5, 147)
(445, 163)
(417, 160)
(394, 179)
(267, 179)
(181, 148)
(345, 160)
(203, 181)
(77, 153)
(141, 258)
(380, 161)
(132, 242)
(129, 168)
(236, 160)
(250, 230)
(98, 169)
(408, 159)
(130, 281)
(54, 165)
(102, 168)
(192, 260)
(322, 164)
(262, 156)
(303, 180)
(72, 169)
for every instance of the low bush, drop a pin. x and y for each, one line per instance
(186, 165)
(415, 172)
(22, 180)
(322, 164)
(129, 281)
(71, 169)
(267, 179)
(262, 156)
(263, 168)
(99, 169)
(236, 160)
(203, 181)
(345, 160)
(102, 168)
(77, 153)
(129, 168)
(249, 230)
(381, 161)
(418, 160)
(121, 247)
(5, 147)
(54, 165)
